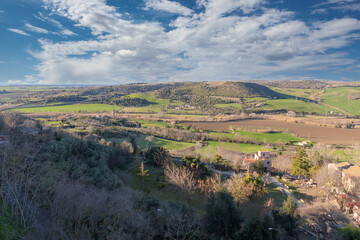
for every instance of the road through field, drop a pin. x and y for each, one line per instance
(314, 133)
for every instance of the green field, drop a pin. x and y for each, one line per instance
(160, 142)
(260, 137)
(229, 105)
(339, 97)
(298, 92)
(211, 149)
(296, 105)
(154, 107)
(70, 108)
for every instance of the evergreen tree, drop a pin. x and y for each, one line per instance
(300, 163)
(289, 207)
(222, 216)
(142, 172)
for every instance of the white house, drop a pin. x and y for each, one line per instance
(260, 155)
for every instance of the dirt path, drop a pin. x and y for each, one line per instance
(316, 95)
(283, 189)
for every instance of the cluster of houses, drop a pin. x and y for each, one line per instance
(349, 174)
(349, 205)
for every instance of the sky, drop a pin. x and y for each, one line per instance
(107, 42)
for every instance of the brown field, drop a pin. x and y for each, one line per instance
(314, 133)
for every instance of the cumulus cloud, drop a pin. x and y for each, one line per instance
(215, 43)
(18, 31)
(168, 6)
(32, 28)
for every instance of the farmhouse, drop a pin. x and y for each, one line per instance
(350, 175)
(304, 143)
(260, 155)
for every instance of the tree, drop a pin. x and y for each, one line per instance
(348, 233)
(183, 178)
(245, 188)
(222, 217)
(157, 155)
(134, 144)
(287, 218)
(289, 207)
(200, 169)
(142, 172)
(259, 166)
(149, 140)
(300, 163)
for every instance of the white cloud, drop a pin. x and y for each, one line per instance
(168, 6)
(18, 31)
(2, 11)
(36, 29)
(1, 62)
(213, 44)
(67, 32)
(338, 5)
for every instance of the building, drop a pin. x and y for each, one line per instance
(305, 143)
(260, 155)
(350, 175)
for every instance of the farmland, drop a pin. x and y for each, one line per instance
(315, 133)
(97, 108)
(340, 97)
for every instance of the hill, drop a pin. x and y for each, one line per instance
(219, 89)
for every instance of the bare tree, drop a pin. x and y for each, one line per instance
(329, 177)
(323, 216)
(326, 152)
(183, 178)
(20, 172)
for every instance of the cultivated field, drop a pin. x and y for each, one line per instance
(314, 133)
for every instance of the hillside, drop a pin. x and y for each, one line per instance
(220, 89)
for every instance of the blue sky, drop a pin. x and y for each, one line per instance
(123, 41)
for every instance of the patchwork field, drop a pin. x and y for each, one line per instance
(314, 133)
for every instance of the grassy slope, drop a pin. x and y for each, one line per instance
(166, 194)
(304, 93)
(168, 144)
(70, 108)
(155, 107)
(338, 97)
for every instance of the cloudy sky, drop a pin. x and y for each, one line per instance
(123, 41)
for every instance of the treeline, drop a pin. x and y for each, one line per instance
(123, 89)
